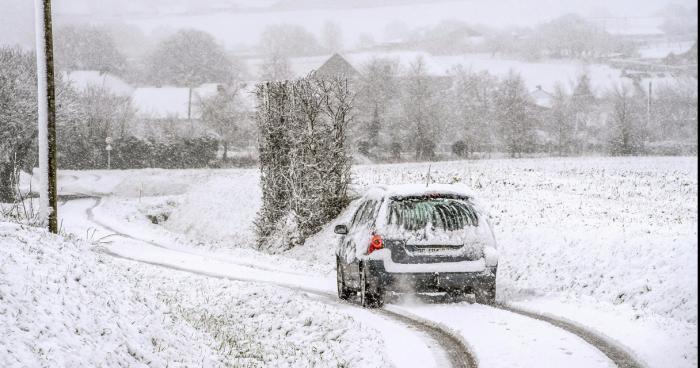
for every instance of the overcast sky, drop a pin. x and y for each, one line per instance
(240, 21)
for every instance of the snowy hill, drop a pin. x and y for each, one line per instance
(63, 305)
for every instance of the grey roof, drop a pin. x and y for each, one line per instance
(336, 66)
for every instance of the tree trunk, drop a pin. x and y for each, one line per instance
(7, 193)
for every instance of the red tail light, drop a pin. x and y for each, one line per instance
(375, 243)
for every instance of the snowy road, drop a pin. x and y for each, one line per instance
(415, 334)
(409, 341)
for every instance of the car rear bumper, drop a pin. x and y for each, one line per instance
(431, 281)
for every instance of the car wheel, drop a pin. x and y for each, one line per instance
(343, 291)
(486, 294)
(371, 296)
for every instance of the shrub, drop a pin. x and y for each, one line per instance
(459, 149)
(304, 160)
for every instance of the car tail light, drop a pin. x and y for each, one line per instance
(375, 243)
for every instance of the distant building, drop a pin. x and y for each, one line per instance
(458, 39)
(542, 98)
(81, 80)
(171, 110)
(335, 67)
(171, 103)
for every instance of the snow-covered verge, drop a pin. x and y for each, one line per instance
(258, 325)
(136, 216)
(221, 210)
(65, 305)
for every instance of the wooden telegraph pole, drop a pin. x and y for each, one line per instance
(47, 112)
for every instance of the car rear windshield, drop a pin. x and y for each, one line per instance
(446, 213)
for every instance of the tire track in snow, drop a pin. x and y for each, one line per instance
(456, 353)
(614, 351)
(91, 217)
(454, 346)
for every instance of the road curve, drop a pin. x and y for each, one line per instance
(455, 351)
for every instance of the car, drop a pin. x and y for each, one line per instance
(417, 239)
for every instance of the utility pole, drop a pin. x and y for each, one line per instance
(189, 110)
(645, 131)
(47, 112)
(108, 148)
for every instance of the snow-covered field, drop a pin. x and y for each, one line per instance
(619, 230)
(622, 231)
(608, 243)
(546, 73)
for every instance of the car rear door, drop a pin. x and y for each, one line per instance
(358, 238)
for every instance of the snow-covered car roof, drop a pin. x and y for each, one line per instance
(408, 190)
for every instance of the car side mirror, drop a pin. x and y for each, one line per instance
(340, 229)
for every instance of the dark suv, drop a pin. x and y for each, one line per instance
(417, 239)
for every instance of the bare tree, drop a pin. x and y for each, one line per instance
(626, 132)
(561, 121)
(275, 67)
(674, 109)
(512, 104)
(583, 108)
(377, 91)
(288, 40)
(420, 110)
(223, 113)
(470, 109)
(190, 58)
(88, 47)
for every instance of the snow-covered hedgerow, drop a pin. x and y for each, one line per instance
(304, 158)
(62, 305)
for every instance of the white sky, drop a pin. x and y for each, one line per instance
(234, 27)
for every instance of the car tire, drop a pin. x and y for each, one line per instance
(344, 292)
(486, 294)
(371, 295)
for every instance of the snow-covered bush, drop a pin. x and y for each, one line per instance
(17, 118)
(304, 160)
(85, 118)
